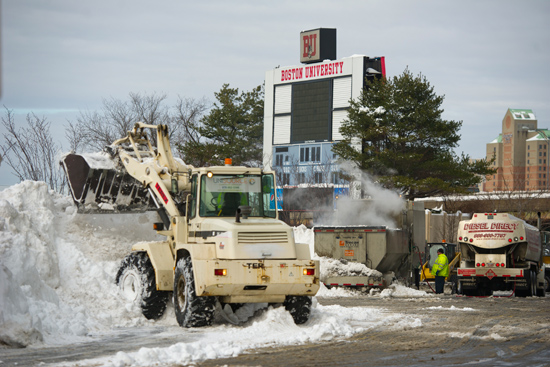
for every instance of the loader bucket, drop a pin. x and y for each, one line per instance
(98, 187)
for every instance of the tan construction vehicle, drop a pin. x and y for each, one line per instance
(224, 241)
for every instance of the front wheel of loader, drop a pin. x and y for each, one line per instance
(136, 280)
(299, 308)
(191, 310)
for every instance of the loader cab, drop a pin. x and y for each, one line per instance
(220, 195)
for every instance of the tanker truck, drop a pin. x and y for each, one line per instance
(499, 252)
(224, 242)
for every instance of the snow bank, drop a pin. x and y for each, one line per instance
(397, 290)
(56, 269)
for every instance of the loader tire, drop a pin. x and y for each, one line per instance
(191, 310)
(299, 308)
(136, 280)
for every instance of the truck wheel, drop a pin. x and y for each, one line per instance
(547, 283)
(454, 284)
(136, 280)
(191, 310)
(299, 308)
(541, 292)
(531, 281)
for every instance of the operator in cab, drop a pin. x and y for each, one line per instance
(440, 270)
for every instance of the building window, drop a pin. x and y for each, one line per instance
(335, 178)
(310, 154)
(304, 154)
(286, 179)
(316, 154)
(278, 160)
(318, 177)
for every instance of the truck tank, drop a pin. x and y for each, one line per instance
(499, 252)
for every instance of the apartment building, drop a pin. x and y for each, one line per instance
(520, 153)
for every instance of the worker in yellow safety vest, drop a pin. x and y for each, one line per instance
(440, 270)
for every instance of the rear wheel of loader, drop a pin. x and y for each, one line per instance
(191, 310)
(136, 280)
(299, 308)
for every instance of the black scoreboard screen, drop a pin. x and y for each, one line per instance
(311, 111)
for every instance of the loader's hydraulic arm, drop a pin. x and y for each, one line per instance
(155, 169)
(134, 169)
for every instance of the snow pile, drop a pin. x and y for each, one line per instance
(340, 267)
(56, 270)
(397, 290)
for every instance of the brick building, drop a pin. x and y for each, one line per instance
(521, 154)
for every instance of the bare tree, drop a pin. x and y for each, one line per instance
(93, 130)
(186, 122)
(31, 152)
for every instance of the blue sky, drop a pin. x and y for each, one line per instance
(60, 57)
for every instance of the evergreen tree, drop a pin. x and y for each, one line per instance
(233, 129)
(395, 132)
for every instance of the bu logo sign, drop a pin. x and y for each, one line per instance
(310, 45)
